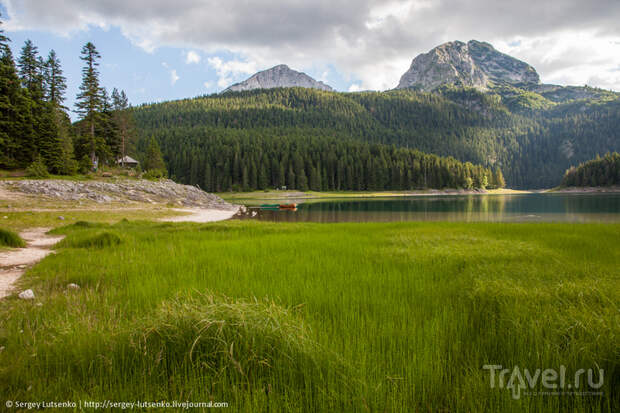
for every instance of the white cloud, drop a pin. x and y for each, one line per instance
(173, 73)
(372, 41)
(570, 57)
(173, 76)
(355, 87)
(231, 70)
(192, 57)
(208, 85)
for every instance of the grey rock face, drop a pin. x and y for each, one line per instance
(474, 64)
(278, 76)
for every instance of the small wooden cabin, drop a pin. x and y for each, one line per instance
(128, 162)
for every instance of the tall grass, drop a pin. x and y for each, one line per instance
(311, 317)
(10, 239)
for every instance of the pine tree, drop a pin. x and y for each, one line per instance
(4, 41)
(498, 178)
(9, 91)
(17, 139)
(55, 86)
(154, 160)
(56, 83)
(107, 131)
(50, 145)
(89, 100)
(30, 70)
(34, 77)
(124, 121)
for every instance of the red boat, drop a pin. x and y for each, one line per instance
(288, 206)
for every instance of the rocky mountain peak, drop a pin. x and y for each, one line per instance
(278, 76)
(475, 64)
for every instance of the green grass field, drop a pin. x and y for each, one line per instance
(17, 221)
(312, 317)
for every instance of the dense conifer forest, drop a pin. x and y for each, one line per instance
(531, 146)
(36, 132)
(603, 171)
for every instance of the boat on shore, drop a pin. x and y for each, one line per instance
(278, 206)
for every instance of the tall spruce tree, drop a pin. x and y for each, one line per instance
(55, 87)
(89, 99)
(4, 41)
(108, 130)
(154, 160)
(30, 70)
(124, 121)
(56, 83)
(34, 76)
(12, 108)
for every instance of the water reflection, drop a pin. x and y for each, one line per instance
(508, 208)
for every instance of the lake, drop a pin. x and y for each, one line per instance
(537, 207)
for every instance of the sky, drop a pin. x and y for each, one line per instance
(159, 50)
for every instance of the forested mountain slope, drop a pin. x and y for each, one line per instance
(531, 138)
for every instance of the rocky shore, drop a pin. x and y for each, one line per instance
(163, 191)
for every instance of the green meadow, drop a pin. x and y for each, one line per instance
(396, 317)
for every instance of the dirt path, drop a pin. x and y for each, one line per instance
(14, 262)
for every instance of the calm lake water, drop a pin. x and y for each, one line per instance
(505, 208)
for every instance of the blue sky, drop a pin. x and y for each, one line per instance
(160, 49)
(163, 74)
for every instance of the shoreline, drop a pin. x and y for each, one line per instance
(258, 195)
(311, 195)
(586, 190)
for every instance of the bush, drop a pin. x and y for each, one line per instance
(85, 165)
(37, 169)
(11, 239)
(70, 167)
(154, 174)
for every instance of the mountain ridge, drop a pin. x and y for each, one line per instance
(472, 64)
(278, 76)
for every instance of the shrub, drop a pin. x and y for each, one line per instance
(154, 174)
(37, 169)
(85, 165)
(70, 167)
(11, 239)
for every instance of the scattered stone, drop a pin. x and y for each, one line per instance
(254, 213)
(26, 295)
(163, 191)
(39, 304)
(1, 349)
(107, 174)
(72, 286)
(61, 218)
(5, 217)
